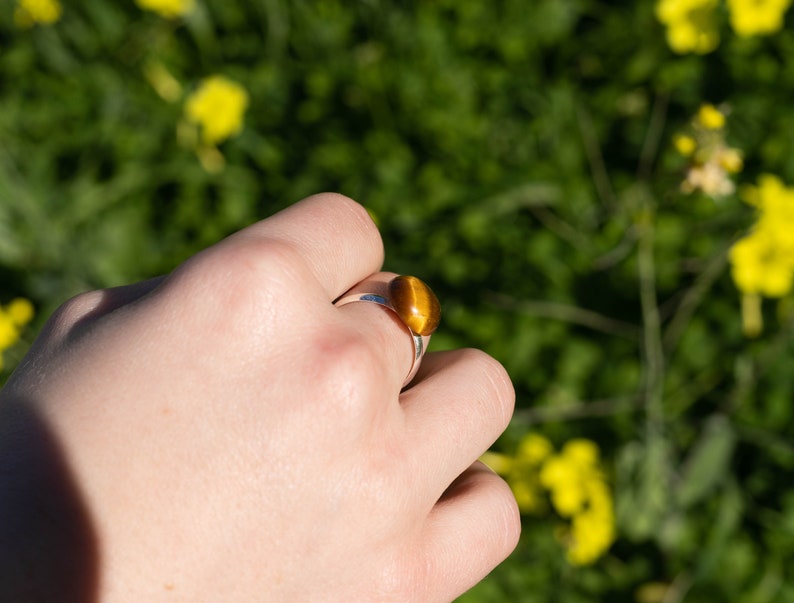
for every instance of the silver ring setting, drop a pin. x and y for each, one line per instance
(411, 300)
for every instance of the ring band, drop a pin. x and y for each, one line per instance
(411, 300)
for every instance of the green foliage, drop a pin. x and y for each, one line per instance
(517, 156)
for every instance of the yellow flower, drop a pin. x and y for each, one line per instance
(757, 17)
(592, 533)
(168, 9)
(774, 200)
(730, 160)
(762, 264)
(534, 449)
(13, 317)
(691, 24)
(710, 117)
(684, 144)
(568, 498)
(567, 475)
(529, 496)
(575, 483)
(521, 470)
(579, 491)
(561, 477)
(581, 452)
(500, 463)
(217, 106)
(32, 12)
(20, 311)
(9, 332)
(712, 161)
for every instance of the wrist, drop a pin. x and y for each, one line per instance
(47, 545)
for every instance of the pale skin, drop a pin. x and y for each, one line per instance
(226, 433)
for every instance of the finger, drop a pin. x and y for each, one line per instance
(384, 333)
(462, 401)
(472, 528)
(282, 272)
(333, 234)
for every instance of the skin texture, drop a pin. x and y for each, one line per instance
(226, 434)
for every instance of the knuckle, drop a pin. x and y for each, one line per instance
(406, 578)
(243, 263)
(239, 282)
(270, 260)
(73, 313)
(350, 372)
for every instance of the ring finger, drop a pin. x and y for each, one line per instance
(398, 315)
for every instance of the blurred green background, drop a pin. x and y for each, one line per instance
(517, 156)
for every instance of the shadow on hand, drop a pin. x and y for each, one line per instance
(48, 549)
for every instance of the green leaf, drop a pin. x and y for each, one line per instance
(708, 462)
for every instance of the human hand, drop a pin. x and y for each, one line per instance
(225, 433)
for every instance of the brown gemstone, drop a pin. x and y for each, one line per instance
(415, 304)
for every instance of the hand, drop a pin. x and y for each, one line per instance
(225, 433)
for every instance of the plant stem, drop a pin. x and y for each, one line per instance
(653, 351)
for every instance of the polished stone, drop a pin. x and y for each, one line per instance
(415, 304)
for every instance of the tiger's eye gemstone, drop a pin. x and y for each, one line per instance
(415, 304)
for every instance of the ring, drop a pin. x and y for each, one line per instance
(411, 300)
